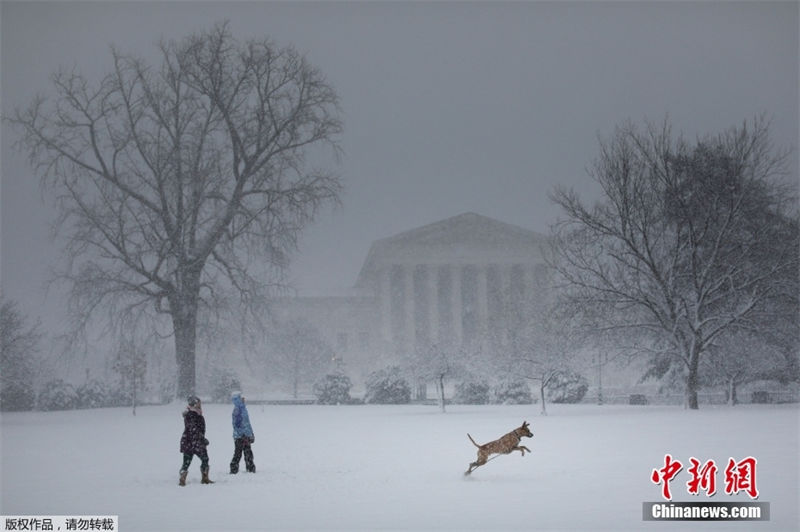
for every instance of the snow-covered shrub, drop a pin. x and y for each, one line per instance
(57, 395)
(567, 387)
(16, 396)
(637, 399)
(118, 396)
(333, 389)
(92, 394)
(387, 387)
(513, 392)
(471, 393)
(760, 397)
(223, 382)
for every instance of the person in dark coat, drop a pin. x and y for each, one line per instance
(243, 436)
(193, 440)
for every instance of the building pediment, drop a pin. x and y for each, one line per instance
(468, 238)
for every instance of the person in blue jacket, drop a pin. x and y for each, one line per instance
(243, 436)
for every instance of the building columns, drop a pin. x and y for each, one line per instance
(385, 290)
(404, 305)
(408, 307)
(433, 303)
(457, 305)
(482, 306)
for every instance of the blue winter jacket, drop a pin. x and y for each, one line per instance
(241, 420)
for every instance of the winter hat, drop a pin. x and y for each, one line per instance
(236, 394)
(193, 400)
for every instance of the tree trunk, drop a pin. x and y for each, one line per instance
(541, 394)
(185, 346)
(691, 379)
(296, 376)
(184, 319)
(441, 393)
(732, 400)
(134, 383)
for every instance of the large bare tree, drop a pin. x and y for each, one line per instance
(690, 240)
(178, 181)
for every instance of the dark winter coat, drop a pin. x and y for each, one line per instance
(193, 440)
(241, 420)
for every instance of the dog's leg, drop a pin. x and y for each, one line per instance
(521, 449)
(473, 466)
(482, 459)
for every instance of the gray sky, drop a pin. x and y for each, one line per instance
(448, 107)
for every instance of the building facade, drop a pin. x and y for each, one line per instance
(450, 283)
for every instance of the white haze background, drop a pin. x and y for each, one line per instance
(448, 107)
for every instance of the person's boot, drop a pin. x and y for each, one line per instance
(205, 479)
(182, 479)
(234, 468)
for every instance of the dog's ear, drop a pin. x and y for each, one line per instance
(524, 423)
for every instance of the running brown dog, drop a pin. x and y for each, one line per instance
(504, 445)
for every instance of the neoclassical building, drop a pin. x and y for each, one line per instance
(452, 283)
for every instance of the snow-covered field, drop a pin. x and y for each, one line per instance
(393, 467)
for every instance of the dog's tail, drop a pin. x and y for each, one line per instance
(473, 441)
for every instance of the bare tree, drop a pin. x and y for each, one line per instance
(541, 344)
(683, 245)
(19, 345)
(180, 182)
(438, 363)
(738, 358)
(298, 354)
(130, 362)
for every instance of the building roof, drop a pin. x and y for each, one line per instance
(465, 238)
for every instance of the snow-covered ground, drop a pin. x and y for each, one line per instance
(393, 467)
